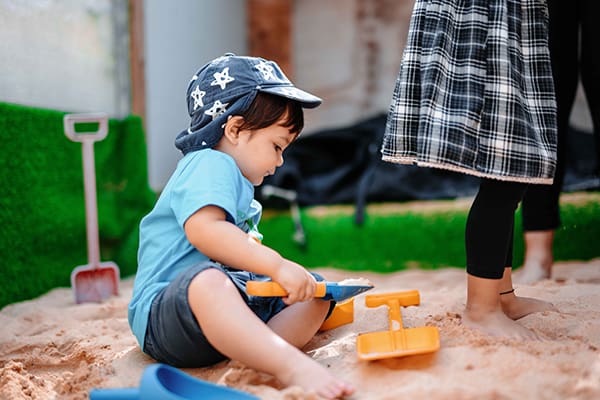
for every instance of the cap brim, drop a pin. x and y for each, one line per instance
(291, 92)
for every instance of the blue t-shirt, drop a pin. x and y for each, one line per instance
(202, 178)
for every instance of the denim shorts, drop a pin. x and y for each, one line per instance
(173, 335)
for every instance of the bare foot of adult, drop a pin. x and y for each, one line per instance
(496, 323)
(516, 307)
(314, 378)
(539, 257)
(532, 272)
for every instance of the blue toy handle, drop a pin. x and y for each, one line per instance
(115, 394)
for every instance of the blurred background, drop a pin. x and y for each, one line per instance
(136, 57)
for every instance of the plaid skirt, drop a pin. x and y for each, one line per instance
(475, 92)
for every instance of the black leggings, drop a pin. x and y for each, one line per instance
(541, 202)
(490, 225)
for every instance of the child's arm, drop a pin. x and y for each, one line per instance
(209, 231)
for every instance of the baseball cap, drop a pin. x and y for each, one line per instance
(227, 86)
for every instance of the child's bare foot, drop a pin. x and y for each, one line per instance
(496, 323)
(313, 377)
(516, 307)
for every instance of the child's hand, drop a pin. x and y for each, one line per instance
(297, 281)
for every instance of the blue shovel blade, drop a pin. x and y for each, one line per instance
(162, 382)
(337, 292)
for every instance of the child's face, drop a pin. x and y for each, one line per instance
(260, 152)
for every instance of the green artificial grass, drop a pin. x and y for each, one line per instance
(395, 240)
(42, 204)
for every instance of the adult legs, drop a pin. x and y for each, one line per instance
(541, 213)
(490, 225)
(488, 242)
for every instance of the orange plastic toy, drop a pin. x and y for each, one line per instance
(397, 341)
(342, 314)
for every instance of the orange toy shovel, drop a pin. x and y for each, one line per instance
(325, 290)
(397, 341)
(95, 281)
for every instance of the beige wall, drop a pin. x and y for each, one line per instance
(65, 54)
(348, 52)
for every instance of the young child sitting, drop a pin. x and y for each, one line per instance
(200, 244)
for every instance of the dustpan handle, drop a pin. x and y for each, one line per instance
(394, 314)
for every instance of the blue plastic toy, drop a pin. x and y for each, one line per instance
(162, 382)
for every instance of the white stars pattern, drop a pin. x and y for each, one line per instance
(222, 78)
(197, 95)
(266, 70)
(217, 109)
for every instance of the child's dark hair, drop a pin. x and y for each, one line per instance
(267, 109)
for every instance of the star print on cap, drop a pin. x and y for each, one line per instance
(217, 109)
(227, 86)
(197, 95)
(222, 78)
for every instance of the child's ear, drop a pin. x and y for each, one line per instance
(231, 131)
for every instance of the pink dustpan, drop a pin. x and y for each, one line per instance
(94, 281)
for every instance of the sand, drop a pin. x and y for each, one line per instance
(51, 348)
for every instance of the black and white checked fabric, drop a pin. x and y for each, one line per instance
(475, 91)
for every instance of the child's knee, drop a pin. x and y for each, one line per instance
(209, 278)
